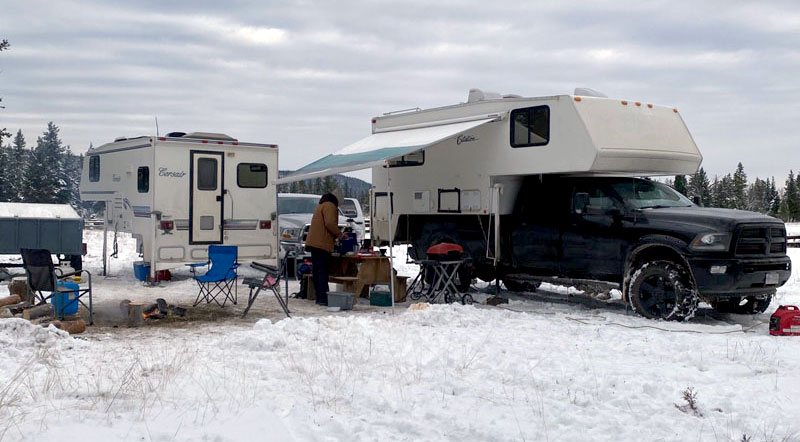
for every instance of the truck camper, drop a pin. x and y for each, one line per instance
(178, 194)
(555, 187)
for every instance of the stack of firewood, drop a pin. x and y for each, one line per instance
(18, 304)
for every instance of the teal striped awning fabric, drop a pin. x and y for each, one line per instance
(378, 148)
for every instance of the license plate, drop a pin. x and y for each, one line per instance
(772, 278)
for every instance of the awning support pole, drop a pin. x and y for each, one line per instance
(391, 234)
(105, 237)
(498, 189)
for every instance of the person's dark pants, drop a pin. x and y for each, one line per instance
(320, 268)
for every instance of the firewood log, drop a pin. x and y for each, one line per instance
(19, 286)
(37, 311)
(135, 314)
(8, 300)
(72, 327)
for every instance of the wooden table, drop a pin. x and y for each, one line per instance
(359, 273)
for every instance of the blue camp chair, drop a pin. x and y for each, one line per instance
(221, 277)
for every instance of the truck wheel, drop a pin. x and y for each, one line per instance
(754, 304)
(663, 290)
(516, 285)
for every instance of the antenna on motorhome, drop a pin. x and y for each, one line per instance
(156, 117)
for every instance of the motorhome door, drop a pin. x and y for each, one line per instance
(205, 197)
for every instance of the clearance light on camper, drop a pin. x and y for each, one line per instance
(265, 224)
(167, 226)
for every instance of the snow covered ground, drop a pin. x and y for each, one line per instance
(529, 371)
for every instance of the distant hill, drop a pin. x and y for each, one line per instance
(351, 187)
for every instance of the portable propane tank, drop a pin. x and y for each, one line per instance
(785, 321)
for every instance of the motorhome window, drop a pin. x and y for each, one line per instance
(143, 179)
(412, 159)
(94, 168)
(206, 174)
(348, 208)
(251, 175)
(530, 126)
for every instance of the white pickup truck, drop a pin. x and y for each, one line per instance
(294, 218)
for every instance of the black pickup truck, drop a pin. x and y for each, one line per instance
(665, 252)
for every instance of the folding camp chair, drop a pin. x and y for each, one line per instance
(43, 277)
(270, 281)
(221, 277)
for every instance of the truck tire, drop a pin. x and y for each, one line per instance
(663, 290)
(755, 304)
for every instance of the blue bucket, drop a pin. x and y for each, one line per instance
(65, 303)
(141, 270)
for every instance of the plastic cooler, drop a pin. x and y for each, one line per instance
(65, 303)
(343, 300)
(141, 270)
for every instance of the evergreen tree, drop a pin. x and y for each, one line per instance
(301, 187)
(739, 188)
(723, 193)
(329, 184)
(4, 45)
(317, 187)
(17, 161)
(4, 187)
(45, 175)
(681, 185)
(774, 199)
(293, 187)
(790, 205)
(700, 187)
(346, 190)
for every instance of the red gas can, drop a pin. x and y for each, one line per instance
(785, 321)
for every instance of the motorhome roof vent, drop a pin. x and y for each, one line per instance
(120, 139)
(176, 134)
(512, 96)
(210, 136)
(479, 95)
(587, 92)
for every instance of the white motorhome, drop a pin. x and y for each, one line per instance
(180, 193)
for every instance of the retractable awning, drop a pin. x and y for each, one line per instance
(377, 148)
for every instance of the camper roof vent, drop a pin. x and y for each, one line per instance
(210, 136)
(587, 92)
(120, 139)
(479, 95)
(512, 96)
(176, 134)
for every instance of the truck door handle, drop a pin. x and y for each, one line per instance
(219, 197)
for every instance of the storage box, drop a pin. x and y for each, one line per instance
(341, 299)
(141, 270)
(65, 303)
(380, 298)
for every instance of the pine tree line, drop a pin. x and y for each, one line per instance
(733, 191)
(45, 173)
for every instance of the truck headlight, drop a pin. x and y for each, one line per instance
(711, 241)
(290, 234)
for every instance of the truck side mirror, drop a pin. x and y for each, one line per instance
(697, 201)
(580, 202)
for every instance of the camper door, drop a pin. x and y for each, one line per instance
(205, 197)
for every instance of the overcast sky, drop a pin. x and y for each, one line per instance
(309, 75)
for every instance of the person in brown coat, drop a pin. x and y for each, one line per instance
(322, 233)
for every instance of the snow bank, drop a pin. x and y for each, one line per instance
(36, 210)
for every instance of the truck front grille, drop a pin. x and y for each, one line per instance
(761, 240)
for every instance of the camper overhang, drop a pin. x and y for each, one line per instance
(380, 147)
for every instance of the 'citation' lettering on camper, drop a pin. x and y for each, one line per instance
(162, 171)
(465, 139)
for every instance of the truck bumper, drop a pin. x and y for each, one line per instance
(740, 276)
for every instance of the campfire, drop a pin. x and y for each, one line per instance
(138, 313)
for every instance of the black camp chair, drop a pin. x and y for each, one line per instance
(270, 281)
(43, 278)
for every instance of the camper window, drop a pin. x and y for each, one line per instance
(251, 175)
(530, 126)
(412, 159)
(206, 174)
(94, 168)
(143, 179)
